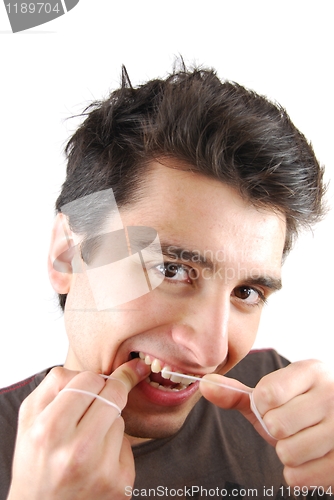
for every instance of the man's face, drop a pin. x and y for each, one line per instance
(222, 258)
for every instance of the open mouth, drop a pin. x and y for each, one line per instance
(160, 380)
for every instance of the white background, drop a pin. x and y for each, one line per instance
(282, 49)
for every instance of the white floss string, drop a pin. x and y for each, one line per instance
(96, 396)
(258, 416)
(191, 377)
(235, 389)
(109, 377)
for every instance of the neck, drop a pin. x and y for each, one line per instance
(134, 441)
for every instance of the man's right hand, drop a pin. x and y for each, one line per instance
(71, 445)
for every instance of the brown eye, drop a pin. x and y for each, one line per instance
(174, 272)
(249, 295)
(171, 270)
(243, 292)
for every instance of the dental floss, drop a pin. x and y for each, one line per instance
(191, 377)
(109, 377)
(249, 392)
(258, 416)
(96, 396)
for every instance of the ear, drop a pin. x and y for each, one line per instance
(62, 251)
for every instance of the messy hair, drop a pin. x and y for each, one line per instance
(219, 128)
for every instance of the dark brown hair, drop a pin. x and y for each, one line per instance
(219, 129)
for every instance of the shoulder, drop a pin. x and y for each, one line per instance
(26, 385)
(10, 401)
(12, 396)
(256, 365)
(21, 386)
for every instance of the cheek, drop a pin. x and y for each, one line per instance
(89, 329)
(80, 297)
(242, 334)
(151, 309)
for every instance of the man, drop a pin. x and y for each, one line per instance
(194, 189)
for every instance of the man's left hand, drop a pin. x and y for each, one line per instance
(297, 406)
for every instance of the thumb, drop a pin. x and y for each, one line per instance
(230, 394)
(226, 392)
(131, 373)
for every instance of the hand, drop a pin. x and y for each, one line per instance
(297, 406)
(70, 445)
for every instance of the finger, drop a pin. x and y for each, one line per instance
(312, 473)
(309, 444)
(100, 416)
(113, 440)
(298, 414)
(118, 449)
(45, 393)
(281, 386)
(64, 413)
(130, 374)
(122, 380)
(235, 396)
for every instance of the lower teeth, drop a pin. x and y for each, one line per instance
(177, 388)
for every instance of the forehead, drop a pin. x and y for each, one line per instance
(198, 213)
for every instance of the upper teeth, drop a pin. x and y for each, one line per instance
(156, 367)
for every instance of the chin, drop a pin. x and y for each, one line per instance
(156, 425)
(155, 430)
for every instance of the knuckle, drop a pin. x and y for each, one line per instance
(291, 476)
(318, 367)
(57, 377)
(117, 394)
(278, 427)
(56, 372)
(271, 394)
(77, 461)
(129, 379)
(286, 454)
(90, 381)
(86, 380)
(76, 458)
(319, 371)
(42, 437)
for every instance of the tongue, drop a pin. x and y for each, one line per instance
(156, 377)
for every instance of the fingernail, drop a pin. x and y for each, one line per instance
(141, 368)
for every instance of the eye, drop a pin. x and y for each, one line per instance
(175, 272)
(249, 295)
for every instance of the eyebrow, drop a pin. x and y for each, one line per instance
(169, 250)
(268, 282)
(187, 255)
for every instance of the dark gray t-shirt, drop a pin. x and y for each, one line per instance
(216, 454)
(10, 401)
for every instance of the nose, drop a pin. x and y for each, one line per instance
(203, 329)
